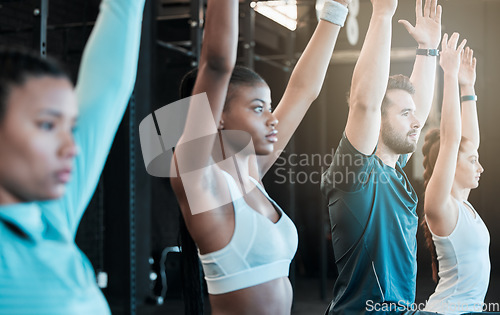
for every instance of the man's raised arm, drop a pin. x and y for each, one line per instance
(369, 81)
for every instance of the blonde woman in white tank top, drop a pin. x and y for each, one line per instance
(459, 236)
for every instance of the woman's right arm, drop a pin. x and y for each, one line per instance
(438, 204)
(217, 60)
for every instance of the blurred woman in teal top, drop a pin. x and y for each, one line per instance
(54, 140)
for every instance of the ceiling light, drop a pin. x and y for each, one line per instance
(282, 12)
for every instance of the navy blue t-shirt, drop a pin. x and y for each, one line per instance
(374, 224)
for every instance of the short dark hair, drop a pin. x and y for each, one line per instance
(240, 76)
(397, 82)
(19, 64)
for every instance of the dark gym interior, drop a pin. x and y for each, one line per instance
(130, 230)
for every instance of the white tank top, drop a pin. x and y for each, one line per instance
(464, 265)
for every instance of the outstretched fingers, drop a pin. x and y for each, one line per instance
(427, 8)
(453, 41)
(418, 8)
(462, 45)
(432, 9)
(450, 43)
(444, 42)
(466, 58)
(469, 58)
(439, 13)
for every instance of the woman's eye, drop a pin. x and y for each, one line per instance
(46, 125)
(258, 109)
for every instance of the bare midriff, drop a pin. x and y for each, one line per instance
(273, 297)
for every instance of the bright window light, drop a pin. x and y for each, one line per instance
(282, 12)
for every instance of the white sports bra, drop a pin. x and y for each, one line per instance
(259, 250)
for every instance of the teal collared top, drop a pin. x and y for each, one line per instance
(42, 271)
(374, 224)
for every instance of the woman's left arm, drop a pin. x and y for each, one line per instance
(305, 83)
(105, 83)
(467, 80)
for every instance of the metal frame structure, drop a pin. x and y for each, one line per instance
(247, 16)
(40, 15)
(196, 23)
(248, 24)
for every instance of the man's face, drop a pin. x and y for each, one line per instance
(400, 127)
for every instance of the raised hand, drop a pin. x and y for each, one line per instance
(427, 29)
(467, 72)
(384, 7)
(451, 55)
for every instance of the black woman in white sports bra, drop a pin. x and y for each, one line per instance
(244, 240)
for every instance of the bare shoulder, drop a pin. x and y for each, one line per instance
(207, 209)
(443, 219)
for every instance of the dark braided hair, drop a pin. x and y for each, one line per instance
(192, 285)
(17, 65)
(430, 150)
(192, 273)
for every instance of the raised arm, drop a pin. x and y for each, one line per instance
(306, 80)
(427, 33)
(217, 60)
(105, 82)
(467, 80)
(369, 81)
(218, 55)
(438, 204)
